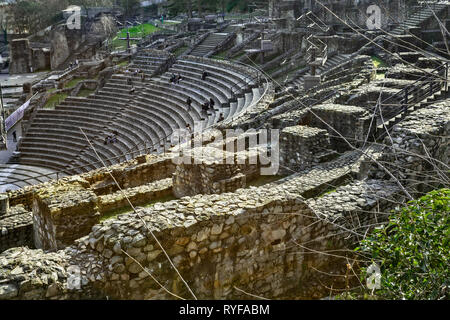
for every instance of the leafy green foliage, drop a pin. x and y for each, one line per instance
(413, 250)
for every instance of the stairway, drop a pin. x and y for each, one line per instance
(16, 176)
(329, 64)
(211, 42)
(438, 94)
(422, 14)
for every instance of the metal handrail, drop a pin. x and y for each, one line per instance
(416, 83)
(402, 99)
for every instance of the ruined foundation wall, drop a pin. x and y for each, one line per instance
(247, 240)
(417, 151)
(16, 229)
(299, 148)
(351, 122)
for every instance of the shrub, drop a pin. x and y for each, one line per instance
(413, 250)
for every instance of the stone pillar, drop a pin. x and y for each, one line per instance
(300, 148)
(311, 81)
(4, 204)
(63, 213)
(20, 56)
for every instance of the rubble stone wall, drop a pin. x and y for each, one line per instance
(63, 212)
(299, 146)
(417, 151)
(20, 56)
(249, 240)
(16, 229)
(211, 172)
(351, 122)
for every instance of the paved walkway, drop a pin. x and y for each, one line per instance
(20, 79)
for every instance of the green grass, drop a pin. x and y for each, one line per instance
(140, 31)
(55, 100)
(123, 64)
(220, 56)
(238, 56)
(72, 83)
(85, 92)
(327, 192)
(263, 180)
(115, 213)
(273, 69)
(378, 63)
(180, 50)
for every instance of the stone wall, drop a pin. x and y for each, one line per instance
(16, 229)
(300, 147)
(134, 174)
(137, 196)
(211, 170)
(62, 213)
(351, 122)
(40, 58)
(64, 42)
(20, 56)
(66, 209)
(417, 151)
(249, 240)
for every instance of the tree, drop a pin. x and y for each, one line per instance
(129, 6)
(4, 20)
(413, 250)
(30, 16)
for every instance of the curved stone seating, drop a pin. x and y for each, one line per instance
(217, 69)
(178, 103)
(144, 119)
(218, 79)
(182, 117)
(16, 176)
(205, 89)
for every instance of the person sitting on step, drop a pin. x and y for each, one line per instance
(178, 79)
(205, 107)
(221, 117)
(189, 103)
(204, 75)
(172, 78)
(211, 103)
